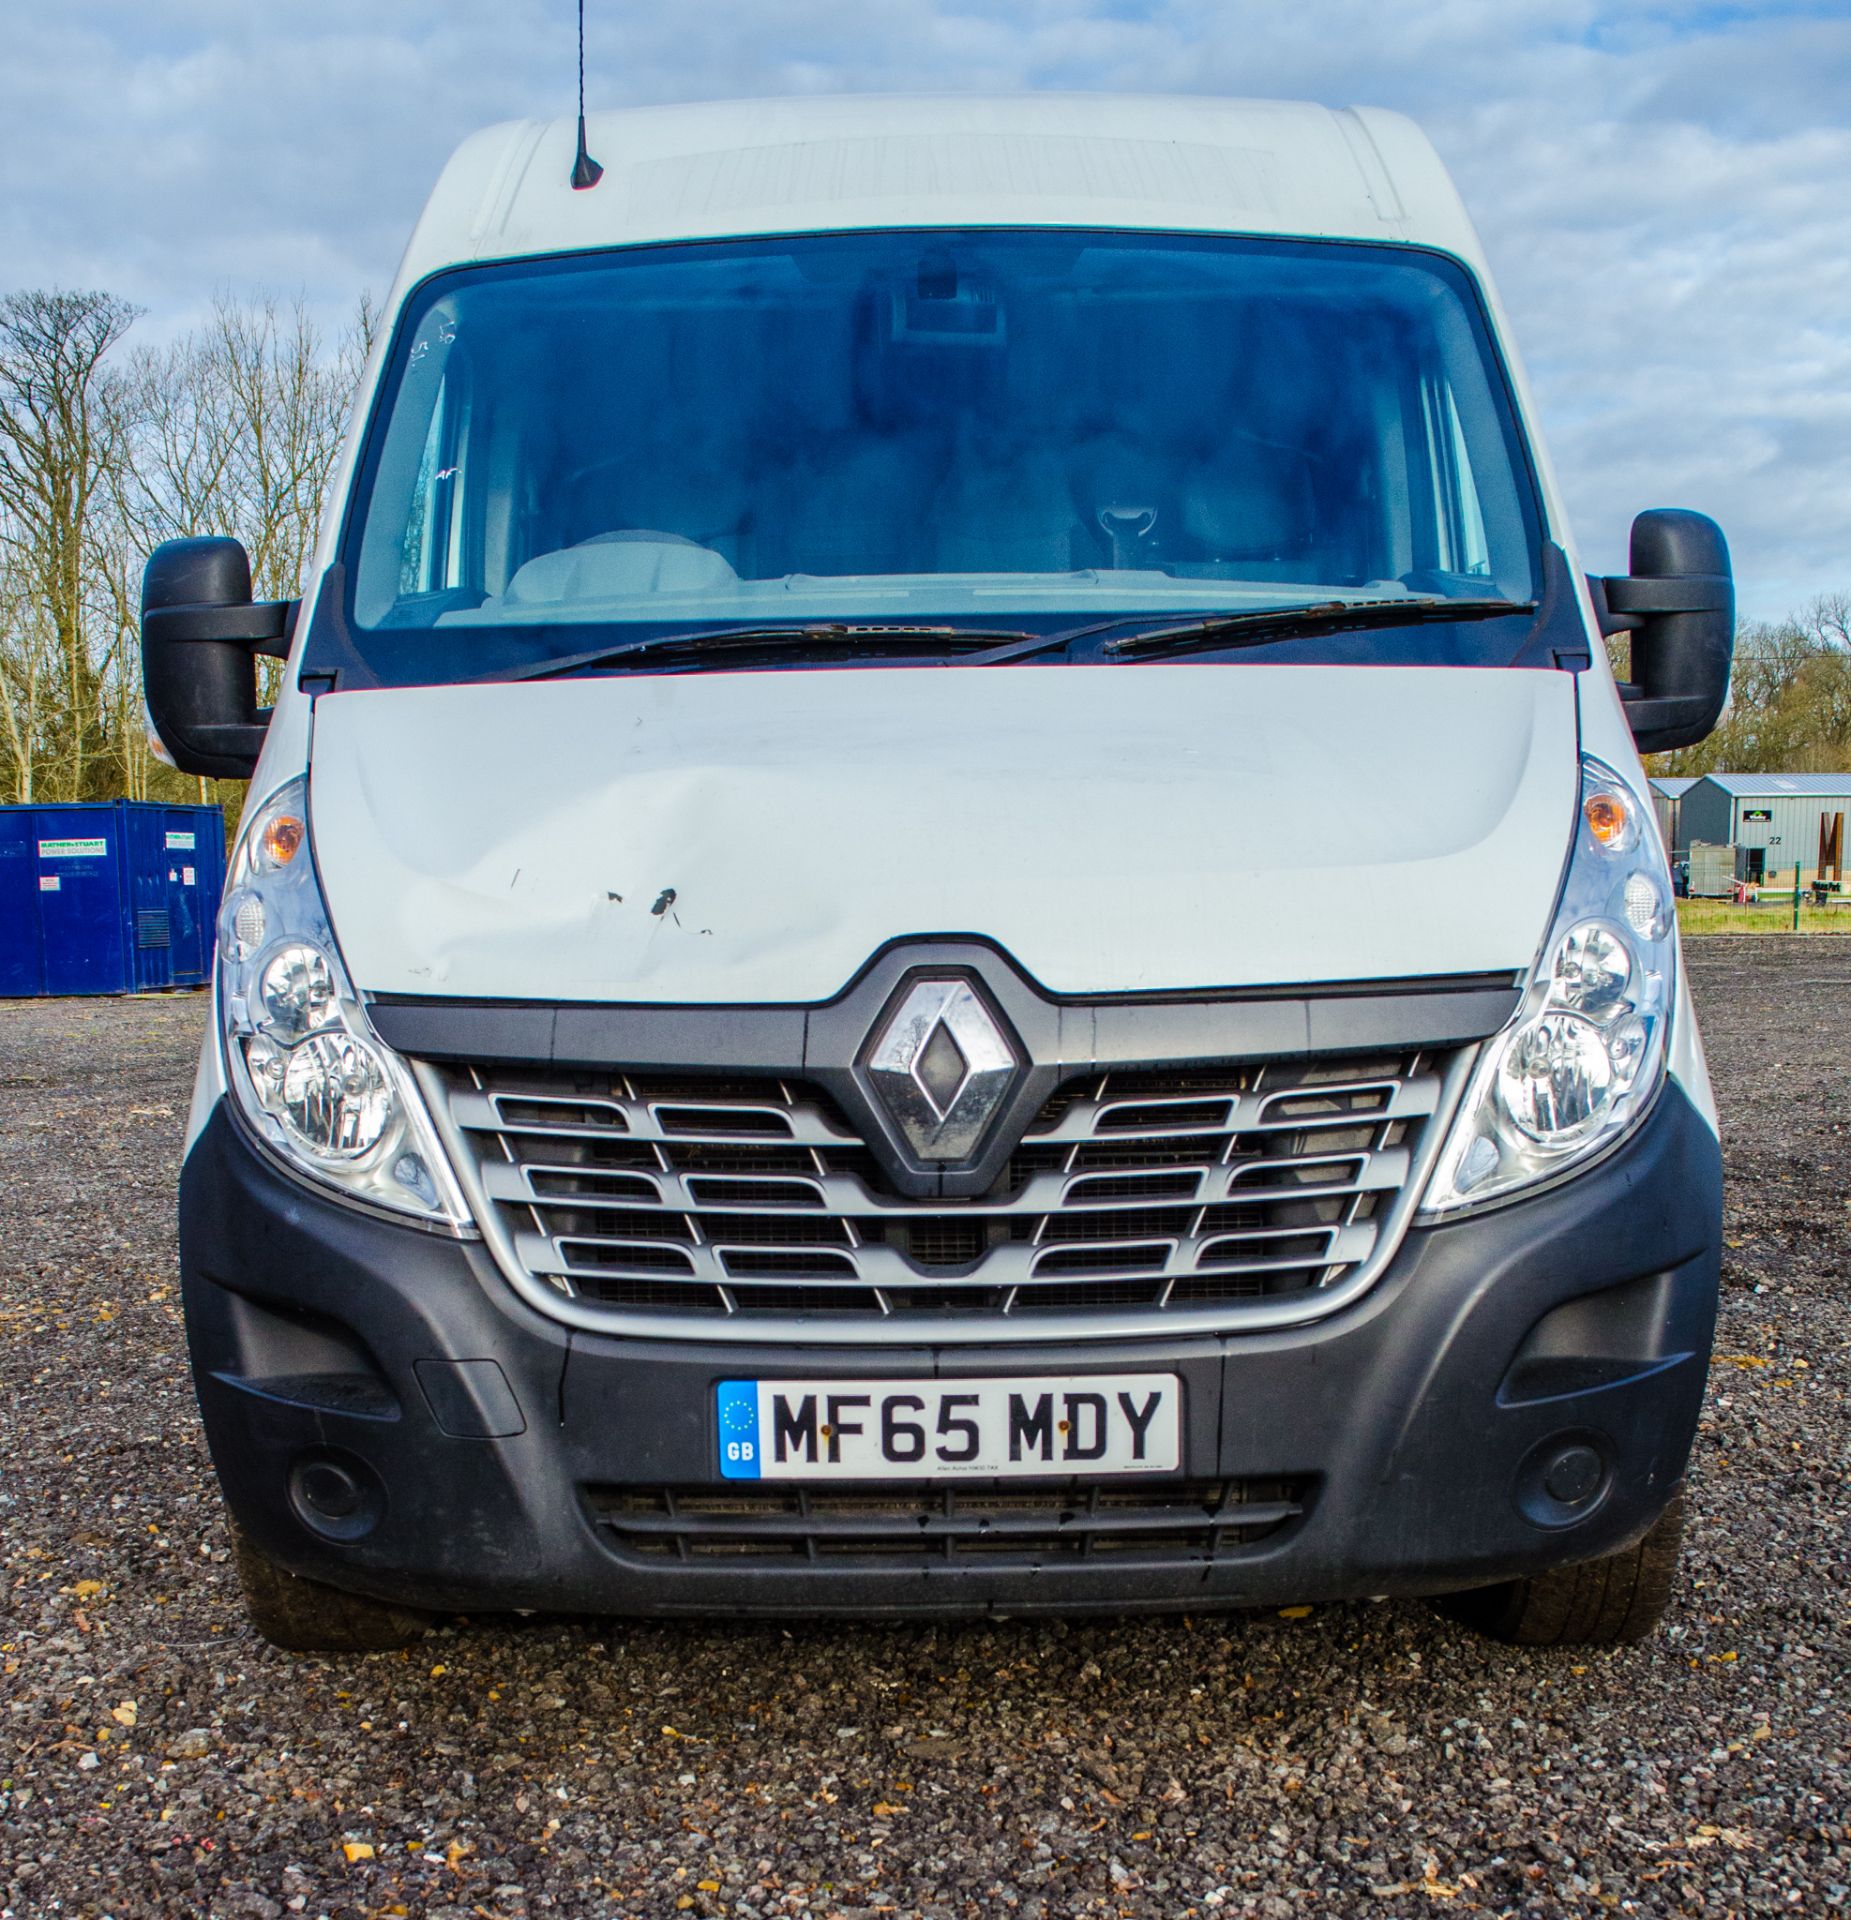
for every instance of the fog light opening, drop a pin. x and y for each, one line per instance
(1574, 1476)
(336, 1495)
(1564, 1479)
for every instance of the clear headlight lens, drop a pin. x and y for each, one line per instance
(297, 990)
(310, 1076)
(1580, 1062)
(1592, 968)
(335, 1095)
(1555, 1079)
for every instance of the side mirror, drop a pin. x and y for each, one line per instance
(1678, 603)
(200, 635)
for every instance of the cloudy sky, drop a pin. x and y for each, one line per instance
(1664, 185)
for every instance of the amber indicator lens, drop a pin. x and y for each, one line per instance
(1606, 817)
(282, 839)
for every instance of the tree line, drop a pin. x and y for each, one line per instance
(107, 448)
(1790, 691)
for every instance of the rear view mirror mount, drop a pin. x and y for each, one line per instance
(200, 635)
(1678, 604)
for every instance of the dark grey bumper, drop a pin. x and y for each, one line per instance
(1418, 1422)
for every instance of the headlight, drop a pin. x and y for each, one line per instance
(310, 1076)
(1581, 1061)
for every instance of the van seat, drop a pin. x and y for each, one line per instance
(624, 565)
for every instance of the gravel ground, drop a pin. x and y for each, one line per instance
(156, 1758)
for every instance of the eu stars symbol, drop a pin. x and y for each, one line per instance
(737, 1406)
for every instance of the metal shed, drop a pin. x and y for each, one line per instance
(1668, 803)
(114, 896)
(1774, 816)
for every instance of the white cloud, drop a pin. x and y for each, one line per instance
(1661, 186)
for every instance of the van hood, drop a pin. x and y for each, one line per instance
(756, 837)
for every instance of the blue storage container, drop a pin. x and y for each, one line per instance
(113, 896)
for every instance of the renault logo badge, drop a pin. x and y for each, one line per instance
(942, 1065)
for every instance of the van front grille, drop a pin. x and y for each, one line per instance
(1212, 1186)
(1191, 1520)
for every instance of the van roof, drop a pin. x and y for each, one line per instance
(839, 162)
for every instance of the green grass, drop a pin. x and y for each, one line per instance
(1770, 916)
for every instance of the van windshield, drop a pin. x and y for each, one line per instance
(978, 427)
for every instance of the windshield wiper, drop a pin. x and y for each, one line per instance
(1257, 624)
(723, 639)
(1250, 626)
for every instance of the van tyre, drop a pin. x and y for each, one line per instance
(305, 1616)
(1597, 1603)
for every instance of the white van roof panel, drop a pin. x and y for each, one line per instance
(842, 161)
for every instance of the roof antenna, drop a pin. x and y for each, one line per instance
(585, 170)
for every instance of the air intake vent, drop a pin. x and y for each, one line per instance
(1192, 1520)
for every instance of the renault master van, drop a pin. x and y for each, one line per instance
(949, 908)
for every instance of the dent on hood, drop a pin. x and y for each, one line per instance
(759, 836)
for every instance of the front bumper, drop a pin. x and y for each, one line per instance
(1418, 1424)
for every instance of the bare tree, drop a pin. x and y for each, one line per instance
(57, 446)
(28, 683)
(234, 430)
(1790, 698)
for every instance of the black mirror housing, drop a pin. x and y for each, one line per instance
(1678, 603)
(200, 634)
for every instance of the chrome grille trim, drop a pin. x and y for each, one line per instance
(734, 1212)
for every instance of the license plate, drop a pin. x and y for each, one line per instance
(935, 1429)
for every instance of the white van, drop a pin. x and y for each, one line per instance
(949, 908)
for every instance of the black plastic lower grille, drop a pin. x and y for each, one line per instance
(1190, 1520)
